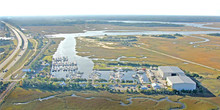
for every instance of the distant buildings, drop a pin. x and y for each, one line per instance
(176, 78)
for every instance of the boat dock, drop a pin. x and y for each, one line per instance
(63, 68)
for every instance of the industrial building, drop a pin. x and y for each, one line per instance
(181, 83)
(166, 71)
(176, 78)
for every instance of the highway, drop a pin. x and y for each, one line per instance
(3, 64)
(8, 89)
(19, 75)
(21, 39)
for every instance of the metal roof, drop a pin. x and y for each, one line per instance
(170, 69)
(180, 79)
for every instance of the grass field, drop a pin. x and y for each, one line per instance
(196, 104)
(203, 54)
(213, 85)
(181, 49)
(206, 53)
(95, 27)
(103, 101)
(53, 47)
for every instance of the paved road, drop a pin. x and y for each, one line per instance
(42, 50)
(178, 58)
(19, 75)
(8, 89)
(21, 39)
(20, 36)
(3, 64)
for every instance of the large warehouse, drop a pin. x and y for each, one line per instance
(166, 71)
(181, 83)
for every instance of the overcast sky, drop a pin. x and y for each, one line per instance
(109, 7)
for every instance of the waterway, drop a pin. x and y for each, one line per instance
(85, 64)
(198, 25)
(130, 100)
(39, 99)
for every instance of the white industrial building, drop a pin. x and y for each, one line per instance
(176, 78)
(181, 83)
(166, 71)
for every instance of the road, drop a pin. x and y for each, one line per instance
(14, 82)
(42, 50)
(5, 93)
(20, 52)
(19, 77)
(22, 66)
(181, 59)
(22, 39)
(3, 64)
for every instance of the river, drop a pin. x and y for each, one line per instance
(198, 25)
(68, 45)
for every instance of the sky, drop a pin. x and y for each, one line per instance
(109, 7)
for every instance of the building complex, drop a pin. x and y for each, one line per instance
(176, 78)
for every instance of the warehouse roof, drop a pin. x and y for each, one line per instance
(180, 79)
(170, 69)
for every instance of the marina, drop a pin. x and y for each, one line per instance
(85, 64)
(63, 68)
(120, 75)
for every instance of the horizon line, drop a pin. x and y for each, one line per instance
(104, 15)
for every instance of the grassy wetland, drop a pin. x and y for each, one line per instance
(126, 51)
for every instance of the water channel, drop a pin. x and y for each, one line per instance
(130, 100)
(85, 64)
(67, 46)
